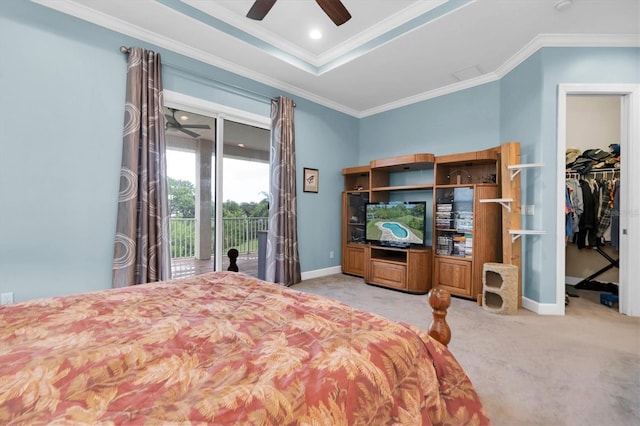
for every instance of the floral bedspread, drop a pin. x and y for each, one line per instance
(222, 348)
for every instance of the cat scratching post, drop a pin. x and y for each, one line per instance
(500, 288)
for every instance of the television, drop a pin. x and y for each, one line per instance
(396, 223)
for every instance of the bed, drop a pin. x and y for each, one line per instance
(222, 348)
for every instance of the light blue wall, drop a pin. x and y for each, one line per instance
(467, 120)
(521, 107)
(62, 82)
(60, 136)
(520, 119)
(569, 65)
(529, 114)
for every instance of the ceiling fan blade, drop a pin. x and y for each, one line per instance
(195, 126)
(260, 9)
(335, 10)
(189, 132)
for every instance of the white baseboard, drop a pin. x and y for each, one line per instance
(321, 272)
(543, 308)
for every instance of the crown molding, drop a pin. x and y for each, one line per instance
(567, 40)
(542, 40)
(445, 90)
(85, 13)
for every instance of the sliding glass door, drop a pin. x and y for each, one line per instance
(218, 193)
(245, 189)
(191, 173)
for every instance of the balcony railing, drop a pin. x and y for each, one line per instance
(240, 233)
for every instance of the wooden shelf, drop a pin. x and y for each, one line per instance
(403, 187)
(488, 156)
(476, 173)
(356, 170)
(372, 183)
(404, 163)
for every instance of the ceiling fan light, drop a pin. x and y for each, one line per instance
(315, 34)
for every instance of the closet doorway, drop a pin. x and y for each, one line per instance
(625, 97)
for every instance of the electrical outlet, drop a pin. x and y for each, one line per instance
(331, 254)
(6, 298)
(529, 209)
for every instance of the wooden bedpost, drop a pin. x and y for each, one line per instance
(440, 300)
(233, 255)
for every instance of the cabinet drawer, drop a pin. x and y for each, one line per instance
(453, 274)
(388, 274)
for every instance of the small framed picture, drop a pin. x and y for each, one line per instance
(310, 183)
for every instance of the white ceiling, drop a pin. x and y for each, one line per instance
(390, 54)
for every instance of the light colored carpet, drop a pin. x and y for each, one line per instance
(580, 369)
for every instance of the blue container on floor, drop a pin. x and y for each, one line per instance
(608, 299)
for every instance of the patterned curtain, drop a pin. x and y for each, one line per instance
(141, 250)
(282, 262)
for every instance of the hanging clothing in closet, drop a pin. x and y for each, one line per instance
(588, 220)
(590, 203)
(568, 214)
(615, 217)
(576, 206)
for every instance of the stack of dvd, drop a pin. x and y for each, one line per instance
(445, 245)
(443, 216)
(459, 245)
(468, 249)
(464, 221)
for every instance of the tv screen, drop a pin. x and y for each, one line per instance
(400, 224)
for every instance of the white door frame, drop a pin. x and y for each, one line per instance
(220, 113)
(629, 289)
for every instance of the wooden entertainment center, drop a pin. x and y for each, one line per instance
(465, 226)
(404, 269)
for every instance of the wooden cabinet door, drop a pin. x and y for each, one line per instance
(419, 271)
(353, 261)
(453, 275)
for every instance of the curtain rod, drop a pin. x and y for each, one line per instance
(127, 50)
(276, 99)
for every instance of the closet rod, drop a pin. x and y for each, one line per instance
(604, 173)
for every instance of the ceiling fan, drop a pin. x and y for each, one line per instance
(173, 123)
(334, 9)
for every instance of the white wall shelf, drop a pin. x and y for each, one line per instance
(504, 202)
(517, 233)
(516, 168)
